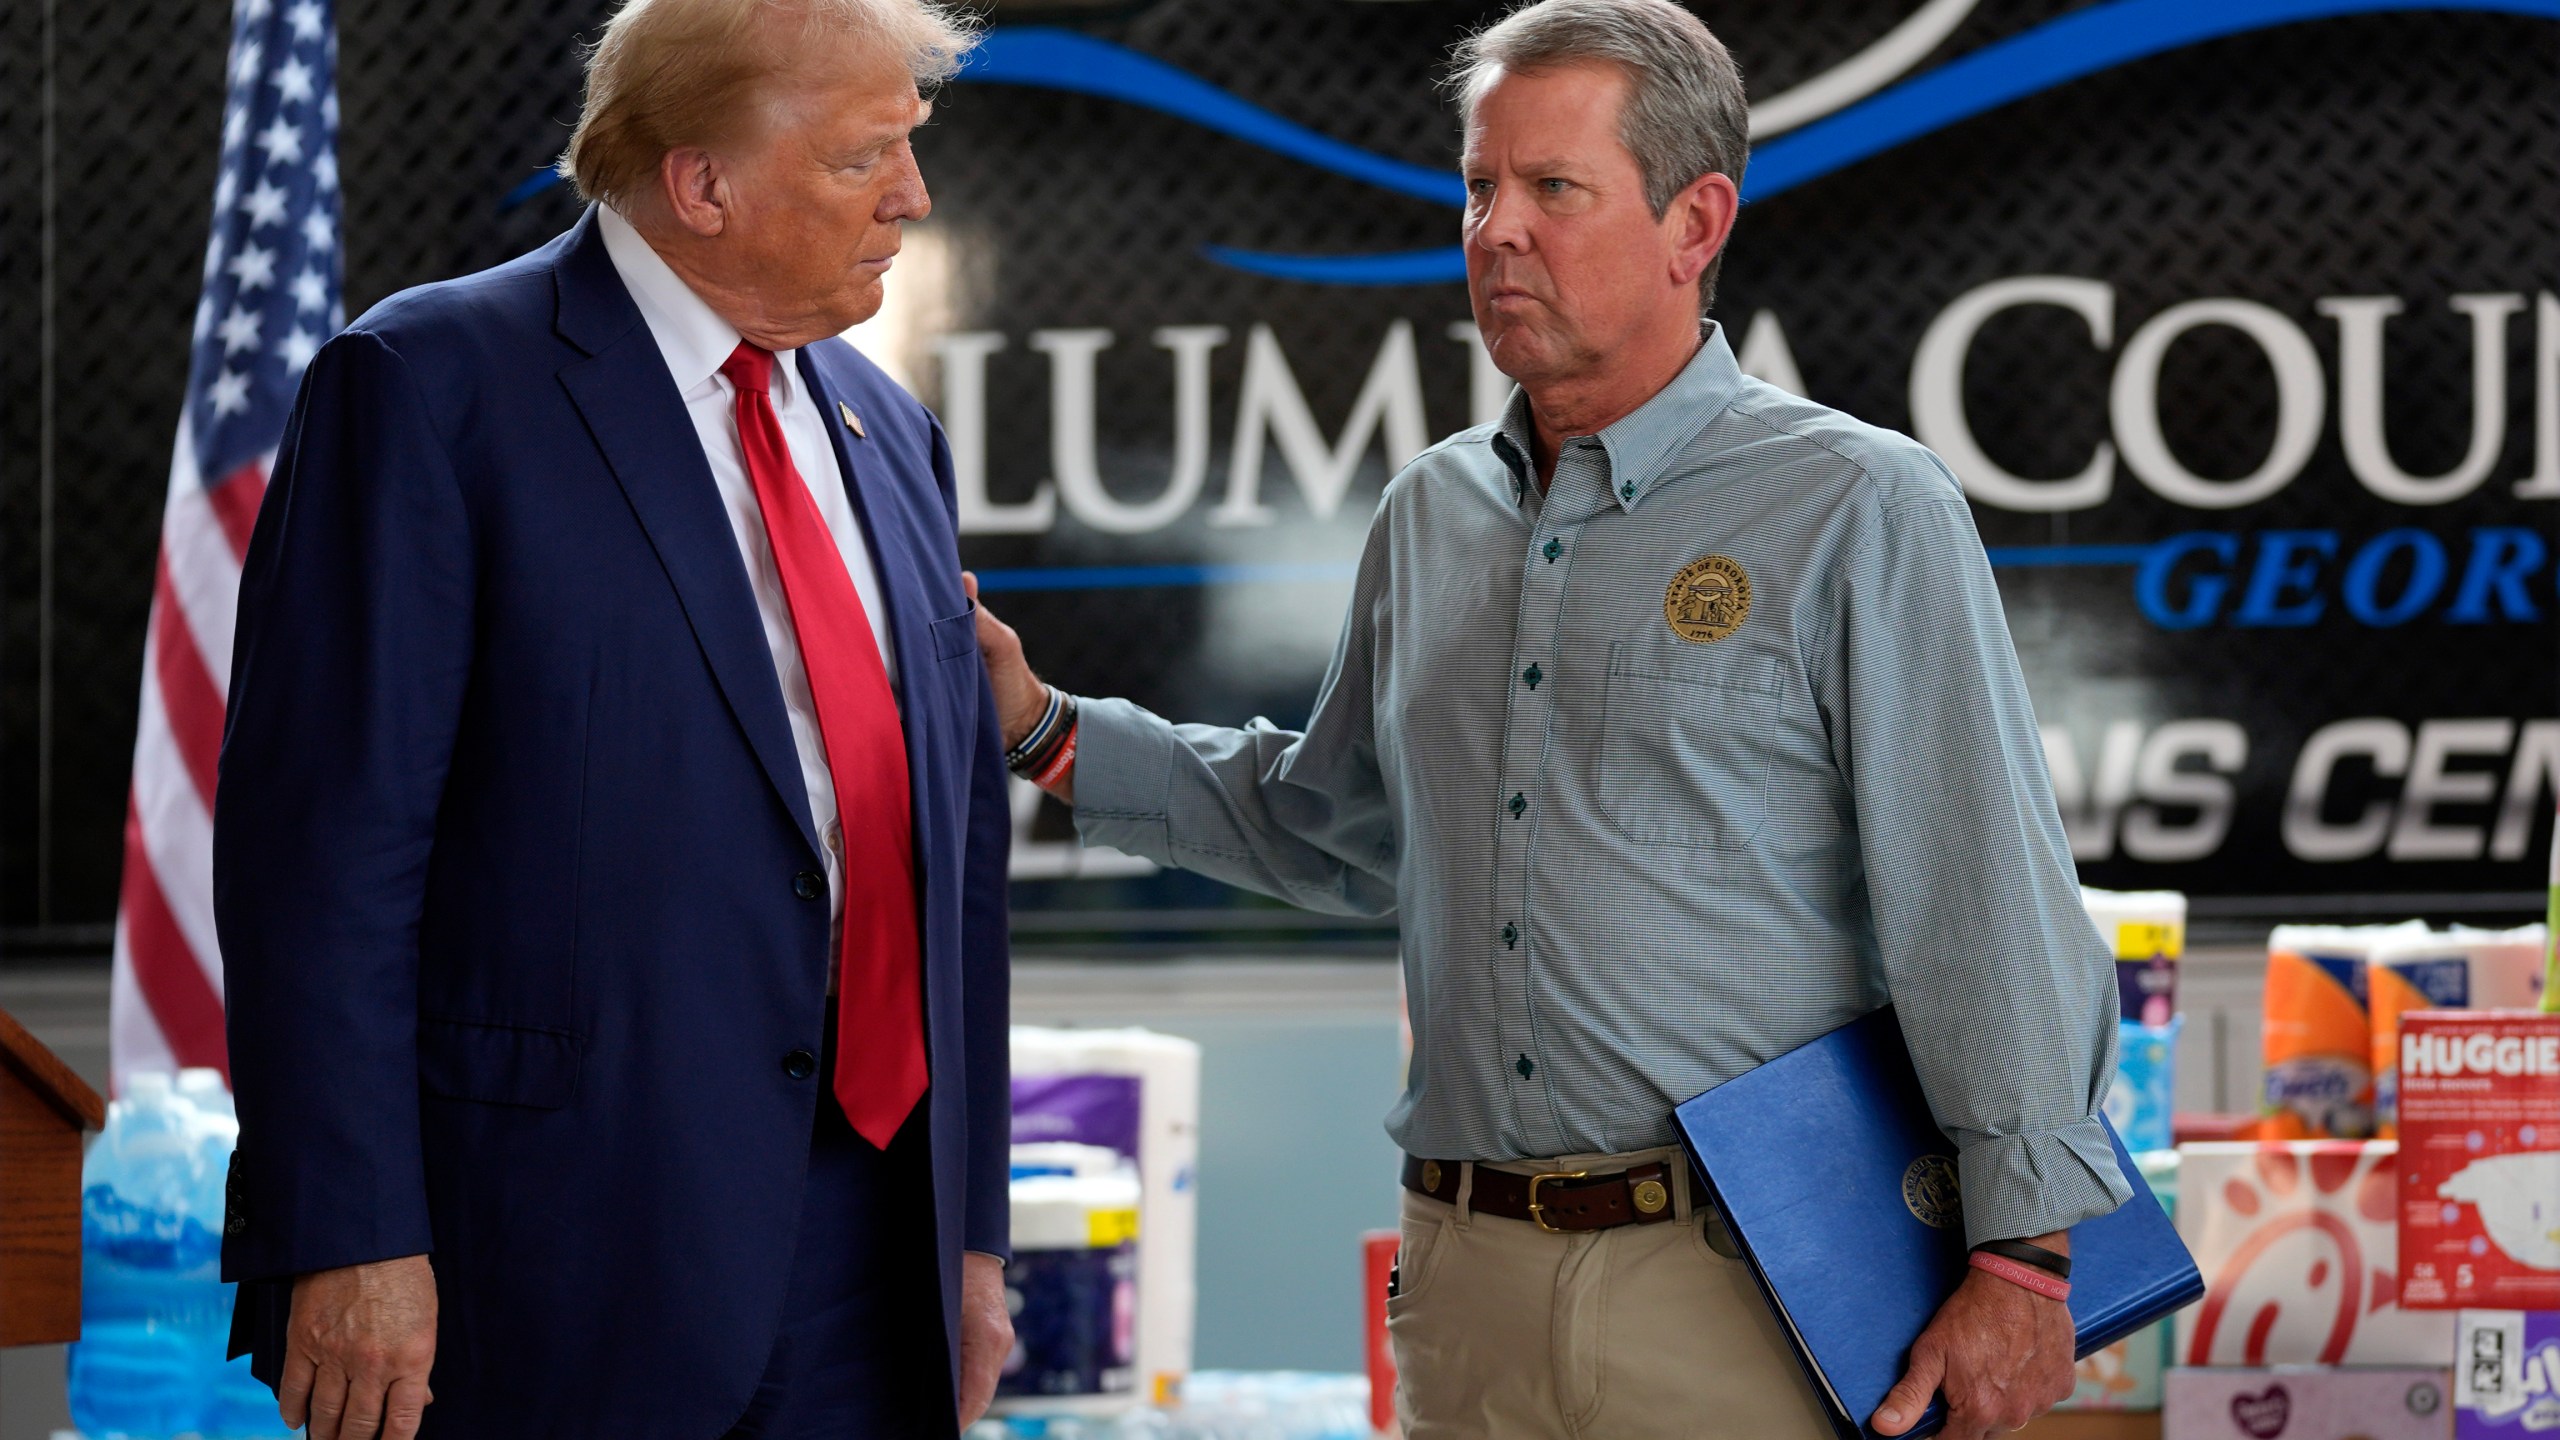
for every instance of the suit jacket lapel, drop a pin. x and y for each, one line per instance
(638, 419)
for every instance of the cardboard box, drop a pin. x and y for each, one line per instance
(2480, 1160)
(2299, 1246)
(2506, 1375)
(2310, 1403)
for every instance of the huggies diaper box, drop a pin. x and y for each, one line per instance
(2480, 1160)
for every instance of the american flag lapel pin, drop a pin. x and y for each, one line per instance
(852, 421)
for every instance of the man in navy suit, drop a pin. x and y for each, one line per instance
(611, 858)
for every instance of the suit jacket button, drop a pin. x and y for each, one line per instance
(809, 885)
(799, 1064)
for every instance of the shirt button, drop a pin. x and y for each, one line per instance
(1525, 1067)
(835, 836)
(1627, 491)
(799, 1064)
(1532, 676)
(1519, 803)
(1554, 549)
(809, 885)
(1510, 935)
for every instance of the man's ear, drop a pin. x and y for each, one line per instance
(696, 191)
(1699, 220)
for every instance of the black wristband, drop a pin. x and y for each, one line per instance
(2056, 1265)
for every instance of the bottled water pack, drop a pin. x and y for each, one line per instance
(155, 1316)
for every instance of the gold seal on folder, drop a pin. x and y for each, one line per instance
(1930, 1191)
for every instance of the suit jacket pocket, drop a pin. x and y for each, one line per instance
(956, 635)
(498, 1064)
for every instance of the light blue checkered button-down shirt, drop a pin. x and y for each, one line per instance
(1633, 863)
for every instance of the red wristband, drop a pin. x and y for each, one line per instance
(2051, 1287)
(1056, 770)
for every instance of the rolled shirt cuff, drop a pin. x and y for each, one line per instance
(2037, 1182)
(1124, 775)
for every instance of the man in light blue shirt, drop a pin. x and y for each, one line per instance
(1676, 718)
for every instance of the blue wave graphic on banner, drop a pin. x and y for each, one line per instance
(2051, 55)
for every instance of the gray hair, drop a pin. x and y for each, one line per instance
(1685, 114)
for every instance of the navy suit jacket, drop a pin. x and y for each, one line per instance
(508, 853)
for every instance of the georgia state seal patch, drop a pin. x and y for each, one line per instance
(1707, 601)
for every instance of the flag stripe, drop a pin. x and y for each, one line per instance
(187, 691)
(177, 831)
(235, 499)
(203, 567)
(164, 968)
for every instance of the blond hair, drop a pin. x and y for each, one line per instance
(688, 72)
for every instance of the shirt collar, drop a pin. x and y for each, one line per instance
(690, 334)
(1640, 445)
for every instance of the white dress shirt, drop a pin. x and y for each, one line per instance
(696, 343)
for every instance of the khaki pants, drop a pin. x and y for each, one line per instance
(1504, 1331)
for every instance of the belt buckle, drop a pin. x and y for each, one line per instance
(1538, 1212)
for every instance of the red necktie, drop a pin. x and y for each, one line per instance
(880, 1064)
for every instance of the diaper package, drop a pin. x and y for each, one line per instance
(2140, 1102)
(2480, 1160)
(2146, 930)
(2318, 1036)
(2506, 1375)
(2456, 969)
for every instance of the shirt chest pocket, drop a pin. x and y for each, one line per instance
(1684, 746)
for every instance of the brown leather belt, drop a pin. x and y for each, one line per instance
(1559, 1200)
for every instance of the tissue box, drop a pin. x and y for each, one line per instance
(2300, 1254)
(2506, 1375)
(2307, 1404)
(2480, 1160)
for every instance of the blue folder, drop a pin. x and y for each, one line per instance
(1839, 1188)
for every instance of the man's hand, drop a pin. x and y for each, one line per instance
(358, 1351)
(2001, 1352)
(1020, 697)
(986, 1324)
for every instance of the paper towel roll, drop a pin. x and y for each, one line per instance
(1137, 1092)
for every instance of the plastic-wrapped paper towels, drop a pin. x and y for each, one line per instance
(2456, 969)
(2335, 995)
(1137, 1093)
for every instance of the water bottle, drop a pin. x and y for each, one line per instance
(150, 1270)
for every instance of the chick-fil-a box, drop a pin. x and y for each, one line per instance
(2480, 1160)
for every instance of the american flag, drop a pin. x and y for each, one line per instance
(272, 293)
